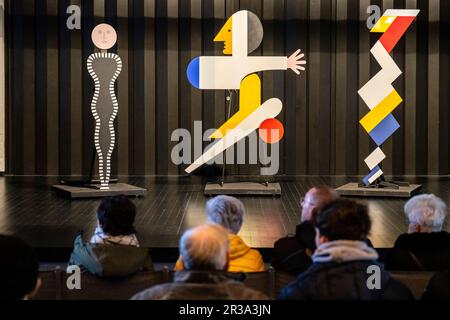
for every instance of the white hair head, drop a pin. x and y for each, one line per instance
(427, 211)
(205, 248)
(226, 211)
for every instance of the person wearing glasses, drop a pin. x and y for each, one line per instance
(292, 254)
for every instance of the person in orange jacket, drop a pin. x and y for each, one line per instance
(229, 213)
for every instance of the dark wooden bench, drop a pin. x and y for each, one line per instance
(416, 281)
(54, 284)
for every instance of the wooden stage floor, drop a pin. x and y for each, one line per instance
(28, 208)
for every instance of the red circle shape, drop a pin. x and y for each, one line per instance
(271, 130)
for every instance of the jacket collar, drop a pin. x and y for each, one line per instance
(344, 251)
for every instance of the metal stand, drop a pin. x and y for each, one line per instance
(381, 188)
(382, 183)
(240, 188)
(230, 101)
(90, 188)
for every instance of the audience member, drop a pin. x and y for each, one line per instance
(19, 269)
(425, 247)
(204, 252)
(229, 213)
(293, 254)
(114, 248)
(343, 262)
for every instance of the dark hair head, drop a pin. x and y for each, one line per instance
(116, 215)
(19, 268)
(343, 219)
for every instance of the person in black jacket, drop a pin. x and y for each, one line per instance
(425, 247)
(344, 266)
(292, 254)
(19, 269)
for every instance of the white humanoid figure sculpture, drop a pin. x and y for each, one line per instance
(104, 69)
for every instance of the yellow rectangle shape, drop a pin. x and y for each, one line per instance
(383, 24)
(381, 111)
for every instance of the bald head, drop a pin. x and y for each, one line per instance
(316, 198)
(205, 248)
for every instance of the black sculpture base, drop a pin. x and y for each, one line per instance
(243, 189)
(382, 189)
(94, 191)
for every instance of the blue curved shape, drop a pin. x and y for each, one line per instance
(193, 72)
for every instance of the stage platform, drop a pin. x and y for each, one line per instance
(94, 191)
(243, 189)
(353, 189)
(30, 209)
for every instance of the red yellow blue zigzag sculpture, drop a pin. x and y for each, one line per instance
(379, 94)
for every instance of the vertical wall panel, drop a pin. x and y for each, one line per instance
(89, 11)
(149, 81)
(16, 103)
(50, 126)
(172, 81)
(444, 89)
(353, 83)
(41, 88)
(433, 87)
(300, 14)
(410, 95)
(64, 91)
(29, 82)
(314, 88)
(136, 138)
(421, 88)
(2, 87)
(161, 32)
(340, 87)
(122, 88)
(76, 65)
(295, 103)
(52, 141)
(325, 91)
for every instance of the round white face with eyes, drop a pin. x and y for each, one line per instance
(104, 36)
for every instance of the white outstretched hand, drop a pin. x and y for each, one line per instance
(295, 63)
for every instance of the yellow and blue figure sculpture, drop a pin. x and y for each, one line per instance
(379, 94)
(241, 34)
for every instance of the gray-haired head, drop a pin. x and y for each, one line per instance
(426, 211)
(226, 211)
(205, 248)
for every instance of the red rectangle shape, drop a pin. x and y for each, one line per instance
(393, 34)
